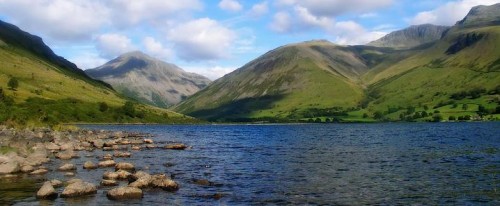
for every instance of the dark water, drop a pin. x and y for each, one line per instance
(318, 164)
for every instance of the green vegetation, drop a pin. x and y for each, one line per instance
(13, 84)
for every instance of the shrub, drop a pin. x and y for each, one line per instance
(13, 83)
(103, 106)
(452, 118)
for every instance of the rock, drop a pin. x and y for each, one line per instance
(89, 165)
(140, 180)
(107, 148)
(123, 174)
(176, 146)
(74, 180)
(66, 155)
(202, 182)
(79, 188)
(122, 154)
(161, 181)
(108, 157)
(47, 191)
(39, 172)
(67, 146)
(125, 142)
(8, 165)
(148, 141)
(109, 144)
(110, 175)
(56, 183)
(124, 166)
(27, 169)
(98, 143)
(69, 174)
(136, 148)
(120, 147)
(107, 163)
(52, 146)
(67, 167)
(122, 193)
(108, 183)
(150, 146)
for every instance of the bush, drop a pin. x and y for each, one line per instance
(103, 106)
(452, 118)
(129, 109)
(437, 118)
(13, 83)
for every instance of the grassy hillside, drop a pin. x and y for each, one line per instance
(48, 93)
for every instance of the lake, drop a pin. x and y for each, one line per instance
(315, 164)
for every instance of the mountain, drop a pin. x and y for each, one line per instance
(412, 36)
(482, 16)
(456, 75)
(38, 87)
(149, 80)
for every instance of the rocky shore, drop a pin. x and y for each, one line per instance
(31, 152)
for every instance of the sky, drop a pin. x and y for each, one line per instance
(214, 37)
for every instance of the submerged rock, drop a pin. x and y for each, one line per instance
(47, 191)
(122, 154)
(110, 175)
(140, 180)
(123, 174)
(161, 181)
(79, 188)
(109, 183)
(176, 146)
(56, 183)
(67, 167)
(121, 193)
(148, 141)
(39, 172)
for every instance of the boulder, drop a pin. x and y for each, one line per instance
(66, 155)
(107, 163)
(8, 165)
(122, 193)
(52, 146)
(47, 191)
(67, 167)
(98, 143)
(74, 180)
(107, 148)
(89, 165)
(148, 141)
(124, 166)
(67, 146)
(123, 174)
(108, 183)
(27, 169)
(56, 183)
(107, 157)
(136, 148)
(150, 146)
(39, 172)
(142, 182)
(161, 181)
(176, 146)
(79, 188)
(110, 175)
(69, 174)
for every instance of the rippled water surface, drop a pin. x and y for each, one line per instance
(316, 164)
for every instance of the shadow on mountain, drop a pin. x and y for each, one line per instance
(239, 110)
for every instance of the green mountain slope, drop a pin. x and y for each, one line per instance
(52, 90)
(411, 36)
(454, 76)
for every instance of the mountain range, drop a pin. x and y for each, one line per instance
(423, 73)
(149, 80)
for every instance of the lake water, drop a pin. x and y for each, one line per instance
(315, 164)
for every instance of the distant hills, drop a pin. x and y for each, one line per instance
(149, 80)
(411, 36)
(50, 90)
(422, 73)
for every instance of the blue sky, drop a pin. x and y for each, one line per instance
(214, 37)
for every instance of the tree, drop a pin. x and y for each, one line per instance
(452, 118)
(129, 109)
(465, 107)
(437, 118)
(378, 115)
(365, 115)
(103, 106)
(13, 83)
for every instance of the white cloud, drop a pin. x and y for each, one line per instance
(336, 7)
(307, 19)
(230, 5)
(156, 49)
(351, 33)
(282, 22)
(59, 19)
(449, 13)
(202, 39)
(113, 45)
(212, 72)
(368, 15)
(87, 60)
(259, 9)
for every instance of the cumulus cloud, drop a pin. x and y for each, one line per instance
(202, 39)
(59, 19)
(87, 60)
(449, 13)
(351, 33)
(337, 7)
(156, 48)
(301, 20)
(230, 5)
(113, 45)
(282, 22)
(212, 72)
(259, 9)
